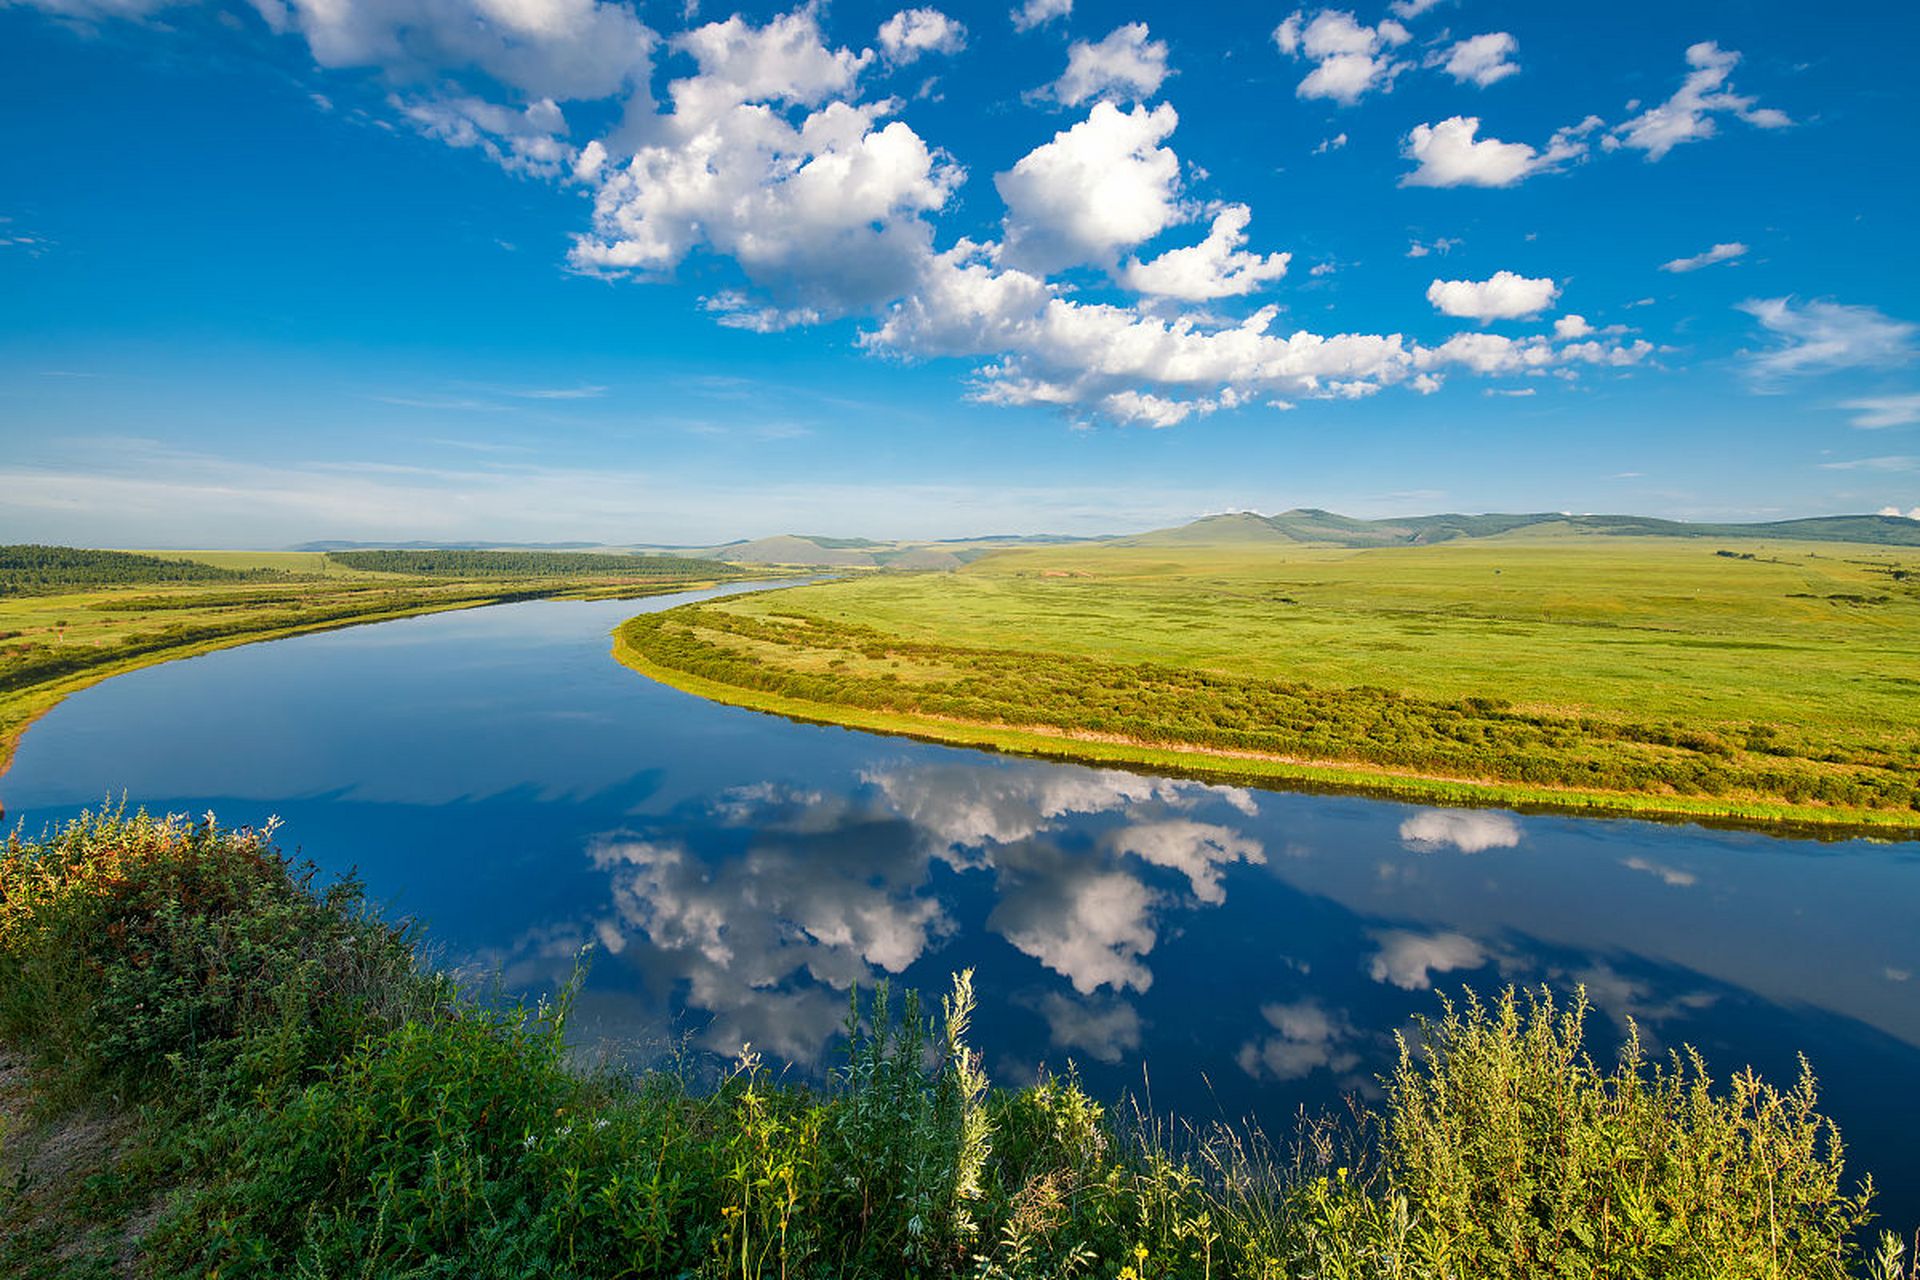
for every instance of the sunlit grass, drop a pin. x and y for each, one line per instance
(1646, 666)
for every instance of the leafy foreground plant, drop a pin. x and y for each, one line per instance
(307, 1100)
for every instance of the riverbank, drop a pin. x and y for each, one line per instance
(1041, 743)
(218, 1066)
(1632, 677)
(108, 632)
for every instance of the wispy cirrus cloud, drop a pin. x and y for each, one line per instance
(1707, 258)
(447, 404)
(1887, 462)
(583, 392)
(1876, 412)
(1819, 337)
(1692, 113)
(140, 493)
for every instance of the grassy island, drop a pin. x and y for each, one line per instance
(210, 1065)
(70, 618)
(1757, 682)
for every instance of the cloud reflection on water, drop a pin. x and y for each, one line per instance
(758, 906)
(813, 892)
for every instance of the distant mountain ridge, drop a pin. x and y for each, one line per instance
(341, 544)
(810, 550)
(1311, 525)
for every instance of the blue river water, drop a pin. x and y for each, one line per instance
(1236, 952)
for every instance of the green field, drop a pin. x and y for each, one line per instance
(1755, 680)
(56, 639)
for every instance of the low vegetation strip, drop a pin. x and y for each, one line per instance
(295, 1094)
(522, 564)
(1456, 743)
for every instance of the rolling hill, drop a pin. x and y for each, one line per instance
(1308, 525)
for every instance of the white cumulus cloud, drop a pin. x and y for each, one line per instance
(913, 32)
(1451, 154)
(1502, 296)
(561, 49)
(1103, 185)
(1349, 58)
(825, 216)
(1035, 13)
(1480, 60)
(805, 199)
(1217, 267)
(1126, 65)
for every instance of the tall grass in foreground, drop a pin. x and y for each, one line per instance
(313, 1102)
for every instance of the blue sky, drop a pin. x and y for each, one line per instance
(570, 269)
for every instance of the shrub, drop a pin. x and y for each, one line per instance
(133, 949)
(1523, 1158)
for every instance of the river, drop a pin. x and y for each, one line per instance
(1236, 952)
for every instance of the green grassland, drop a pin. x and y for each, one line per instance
(1776, 682)
(56, 641)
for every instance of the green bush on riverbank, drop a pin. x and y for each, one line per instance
(311, 1101)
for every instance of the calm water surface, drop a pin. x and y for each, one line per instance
(498, 775)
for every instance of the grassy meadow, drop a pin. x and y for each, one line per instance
(108, 615)
(210, 1065)
(1752, 680)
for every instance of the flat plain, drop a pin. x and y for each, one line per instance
(1776, 681)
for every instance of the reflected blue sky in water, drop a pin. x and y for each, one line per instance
(496, 774)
